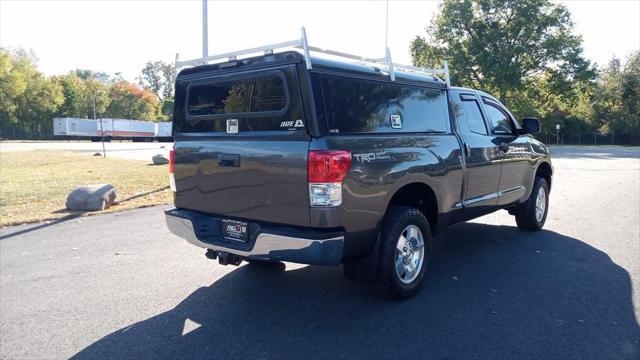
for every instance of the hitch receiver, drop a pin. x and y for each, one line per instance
(224, 258)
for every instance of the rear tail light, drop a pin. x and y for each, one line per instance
(325, 171)
(172, 169)
(172, 157)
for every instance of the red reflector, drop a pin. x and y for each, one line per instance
(325, 166)
(172, 156)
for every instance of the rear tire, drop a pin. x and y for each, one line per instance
(405, 250)
(532, 215)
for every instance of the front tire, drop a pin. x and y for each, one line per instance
(404, 254)
(532, 215)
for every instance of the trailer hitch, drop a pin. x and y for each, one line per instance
(224, 258)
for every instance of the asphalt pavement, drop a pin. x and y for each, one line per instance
(120, 286)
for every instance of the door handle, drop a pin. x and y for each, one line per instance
(503, 147)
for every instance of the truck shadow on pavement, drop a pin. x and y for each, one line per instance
(493, 292)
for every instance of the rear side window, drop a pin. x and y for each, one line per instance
(469, 115)
(358, 106)
(249, 95)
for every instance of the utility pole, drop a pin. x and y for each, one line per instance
(205, 31)
(104, 151)
(93, 98)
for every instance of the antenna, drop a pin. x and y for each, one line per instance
(386, 28)
(205, 30)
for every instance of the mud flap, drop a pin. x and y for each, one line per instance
(364, 270)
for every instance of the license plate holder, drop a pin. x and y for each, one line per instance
(235, 230)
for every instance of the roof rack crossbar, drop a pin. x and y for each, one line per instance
(235, 54)
(303, 44)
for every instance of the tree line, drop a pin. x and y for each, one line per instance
(29, 99)
(526, 54)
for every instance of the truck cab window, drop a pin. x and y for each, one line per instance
(500, 120)
(471, 116)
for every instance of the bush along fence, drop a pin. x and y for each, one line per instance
(585, 138)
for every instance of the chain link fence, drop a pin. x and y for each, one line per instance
(583, 138)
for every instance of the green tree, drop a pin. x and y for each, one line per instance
(74, 90)
(127, 101)
(617, 99)
(15, 70)
(98, 95)
(79, 93)
(97, 75)
(28, 99)
(157, 77)
(496, 45)
(37, 105)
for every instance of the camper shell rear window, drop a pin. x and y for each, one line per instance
(242, 95)
(265, 100)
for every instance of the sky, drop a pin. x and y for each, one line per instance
(121, 36)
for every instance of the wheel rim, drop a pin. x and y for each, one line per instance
(541, 204)
(409, 254)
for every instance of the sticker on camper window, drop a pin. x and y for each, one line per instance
(232, 126)
(292, 125)
(396, 121)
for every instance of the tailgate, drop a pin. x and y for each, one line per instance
(257, 180)
(241, 146)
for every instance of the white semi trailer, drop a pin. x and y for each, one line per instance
(135, 130)
(74, 127)
(125, 128)
(163, 131)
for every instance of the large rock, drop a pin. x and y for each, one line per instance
(91, 198)
(160, 159)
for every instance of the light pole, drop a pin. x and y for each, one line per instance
(557, 134)
(205, 30)
(93, 98)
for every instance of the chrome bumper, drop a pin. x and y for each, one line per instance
(267, 246)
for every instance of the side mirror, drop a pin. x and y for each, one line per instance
(530, 125)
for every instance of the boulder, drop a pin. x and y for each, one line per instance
(160, 159)
(91, 198)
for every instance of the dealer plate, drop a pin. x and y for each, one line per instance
(234, 230)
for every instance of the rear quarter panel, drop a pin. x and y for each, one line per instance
(382, 164)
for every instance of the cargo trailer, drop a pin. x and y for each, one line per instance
(126, 128)
(163, 131)
(74, 127)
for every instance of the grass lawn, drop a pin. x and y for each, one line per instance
(34, 184)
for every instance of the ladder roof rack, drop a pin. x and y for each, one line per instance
(303, 45)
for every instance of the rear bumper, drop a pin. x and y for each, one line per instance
(266, 242)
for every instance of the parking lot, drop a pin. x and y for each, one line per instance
(117, 149)
(121, 286)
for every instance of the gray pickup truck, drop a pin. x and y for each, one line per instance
(341, 164)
